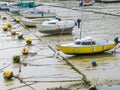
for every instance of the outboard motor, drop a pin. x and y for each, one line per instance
(116, 40)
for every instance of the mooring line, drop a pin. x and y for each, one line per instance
(79, 72)
(71, 65)
(23, 86)
(53, 81)
(1, 70)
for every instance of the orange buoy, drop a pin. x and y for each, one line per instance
(25, 50)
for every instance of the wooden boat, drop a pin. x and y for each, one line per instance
(56, 26)
(33, 13)
(87, 46)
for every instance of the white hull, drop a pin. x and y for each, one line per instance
(37, 14)
(55, 26)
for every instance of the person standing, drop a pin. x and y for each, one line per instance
(78, 22)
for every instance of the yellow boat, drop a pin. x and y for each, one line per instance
(87, 46)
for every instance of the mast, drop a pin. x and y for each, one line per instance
(81, 24)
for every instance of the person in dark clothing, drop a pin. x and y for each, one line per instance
(81, 3)
(78, 22)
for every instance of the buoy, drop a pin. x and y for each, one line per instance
(17, 20)
(29, 40)
(5, 27)
(8, 24)
(94, 63)
(16, 59)
(25, 50)
(8, 74)
(20, 36)
(4, 18)
(13, 32)
(92, 88)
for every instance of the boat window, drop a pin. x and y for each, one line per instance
(77, 42)
(85, 43)
(31, 12)
(88, 43)
(93, 43)
(40, 12)
(52, 23)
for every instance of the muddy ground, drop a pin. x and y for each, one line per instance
(45, 68)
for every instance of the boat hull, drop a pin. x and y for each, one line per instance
(45, 15)
(85, 50)
(56, 27)
(32, 22)
(56, 31)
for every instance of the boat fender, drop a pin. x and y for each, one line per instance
(58, 27)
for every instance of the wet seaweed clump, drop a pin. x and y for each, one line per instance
(16, 59)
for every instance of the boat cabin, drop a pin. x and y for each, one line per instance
(85, 41)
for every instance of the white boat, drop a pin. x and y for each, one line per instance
(56, 26)
(22, 6)
(15, 9)
(32, 22)
(5, 5)
(33, 13)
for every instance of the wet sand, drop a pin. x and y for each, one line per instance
(42, 68)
